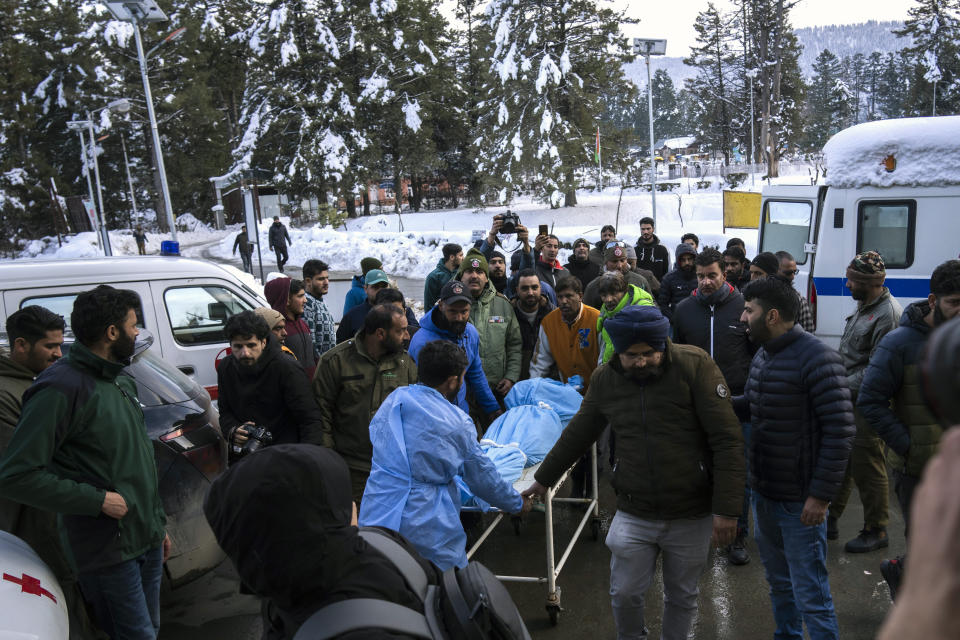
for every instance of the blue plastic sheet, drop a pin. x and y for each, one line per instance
(562, 398)
(510, 462)
(534, 429)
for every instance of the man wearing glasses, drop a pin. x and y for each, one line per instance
(788, 269)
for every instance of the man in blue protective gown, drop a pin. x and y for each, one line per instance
(421, 442)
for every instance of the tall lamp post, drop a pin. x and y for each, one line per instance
(118, 106)
(139, 12)
(649, 48)
(751, 74)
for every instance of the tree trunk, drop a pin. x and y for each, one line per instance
(365, 199)
(351, 203)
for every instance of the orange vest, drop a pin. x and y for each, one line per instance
(575, 347)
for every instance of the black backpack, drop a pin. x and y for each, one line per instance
(469, 604)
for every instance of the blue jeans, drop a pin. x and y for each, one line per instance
(795, 560)
(743, 522)
(125, 597)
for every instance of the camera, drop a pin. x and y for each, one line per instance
(257, 437)
(510, 222)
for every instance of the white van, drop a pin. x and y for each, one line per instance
(184, 302)
(892, 186)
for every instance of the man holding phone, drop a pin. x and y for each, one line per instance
(545, 249)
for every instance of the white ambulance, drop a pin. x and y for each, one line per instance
(892, 186)
(31, 602)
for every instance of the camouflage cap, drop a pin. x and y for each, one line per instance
(869, 262)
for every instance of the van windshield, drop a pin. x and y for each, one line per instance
(786, 227)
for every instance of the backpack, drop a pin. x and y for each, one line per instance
(469, 604)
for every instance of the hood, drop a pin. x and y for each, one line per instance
(683, 248)
(655, 241)
(429, 323)
(14, 370)
(277, 293)
(266, 510)
(914, 316)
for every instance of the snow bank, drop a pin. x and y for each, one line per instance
(925, 151)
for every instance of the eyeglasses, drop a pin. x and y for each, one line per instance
(792, 272)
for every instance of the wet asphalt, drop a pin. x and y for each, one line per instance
(733, 604)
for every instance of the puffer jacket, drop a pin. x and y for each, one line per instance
(907, 427)
(675, 287)
(802, 417)
(679, 445)
(863, 331)
(635, 296)
(713, 324)
(501, 345)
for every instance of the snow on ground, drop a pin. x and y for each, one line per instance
(409, 244)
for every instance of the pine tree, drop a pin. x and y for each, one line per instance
(934, 27)
(552, 63)
(826, 101)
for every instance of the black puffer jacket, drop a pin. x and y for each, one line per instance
(802, 418)
(713, 324)
(585, 271)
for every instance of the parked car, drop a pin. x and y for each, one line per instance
(190, 453)
(184, 302)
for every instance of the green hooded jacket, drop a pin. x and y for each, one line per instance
(635, 296)
(82, 434)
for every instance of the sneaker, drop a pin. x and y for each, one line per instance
(833, 529)
(868, 540)
(737, 552)
(892, 572)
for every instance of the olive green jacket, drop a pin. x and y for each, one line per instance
(679, 444)
(349, 385)
(501, 344)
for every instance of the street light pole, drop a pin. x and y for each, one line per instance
(107, 249)
(648, 48)
(126, 164)
(167, 202)
(86, 170)
(753, 143)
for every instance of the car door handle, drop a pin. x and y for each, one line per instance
(187, 369)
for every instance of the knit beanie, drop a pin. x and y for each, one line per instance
(271, 316)
(683, 248)
(635, 324)
(473, 260)
(867, 268)
(581, 241)
(766, 262)
(370, 263)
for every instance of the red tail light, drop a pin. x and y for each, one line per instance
(812, 299)
(200, 443)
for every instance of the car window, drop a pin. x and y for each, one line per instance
(888, 228)
(786, 227)
(197, 313)
(62, 305)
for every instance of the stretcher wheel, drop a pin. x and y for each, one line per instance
(517, 524)
(595, 529)
(554, 612)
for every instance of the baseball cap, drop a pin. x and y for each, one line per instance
(374, 276)
(454, 291)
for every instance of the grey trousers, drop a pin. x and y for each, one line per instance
(635, 544)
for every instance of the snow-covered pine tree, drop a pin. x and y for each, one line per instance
(826, 101)
(934, 27)
(552, 63)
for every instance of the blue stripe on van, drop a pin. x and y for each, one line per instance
(899, 287)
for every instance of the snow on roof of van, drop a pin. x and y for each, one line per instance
(926, 152)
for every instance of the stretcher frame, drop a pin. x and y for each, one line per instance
(592, 515)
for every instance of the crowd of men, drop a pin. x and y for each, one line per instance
(703, 384)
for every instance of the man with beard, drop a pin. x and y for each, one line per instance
(531, 306)
(316, 281)
(449, 320)
(710, 319)
(498, 272)
(615, 256)
(607, 234)
(733, 270)
(679, 283)
(909, 429)
(670, 411)
(788, 269)
(501, 346)
(615, 294)
(568, 337)
(446, 269)
(352, 381)
(580, 266)
(422, 443)
(652, 255)
(876, 315)
(802, 429)
(259, 387)
(764, 265)
(81, 450)
(289, 297)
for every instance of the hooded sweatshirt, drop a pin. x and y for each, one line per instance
(299, 337)
(678, 284)
(283, 517)
(654, 257)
